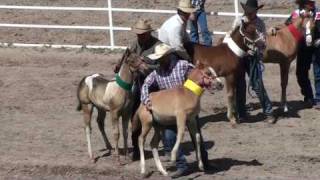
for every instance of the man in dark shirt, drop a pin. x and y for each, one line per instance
(144, 45)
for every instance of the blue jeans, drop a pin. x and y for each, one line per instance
(251, 66)
(304, 60)
(316, 71)
(201, 19)
(170, 137)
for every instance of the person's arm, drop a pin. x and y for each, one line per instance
(317, 30)
(148, 82)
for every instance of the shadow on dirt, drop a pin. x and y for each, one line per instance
(294, 108)
(223, 164)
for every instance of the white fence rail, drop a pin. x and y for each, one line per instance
(111, 28)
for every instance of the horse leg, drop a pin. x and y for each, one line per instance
(284, 70)
(230, 84)
(154, 146)
(146, 123)
(192, 126)
(100, 120)
(87, 113)
(181, 125)
(115, 128)
(125, 123)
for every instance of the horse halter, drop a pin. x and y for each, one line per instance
(203, 84)
(250, 43)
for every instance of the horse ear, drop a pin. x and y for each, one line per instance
(200, 65)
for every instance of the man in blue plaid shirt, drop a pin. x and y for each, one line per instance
(171, 73)
(200, 18)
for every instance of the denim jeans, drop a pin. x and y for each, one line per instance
(316, 71)
(252, 67)
(170, 137)
(201, 19)
(304, 60)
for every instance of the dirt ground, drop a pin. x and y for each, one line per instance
(42, 135)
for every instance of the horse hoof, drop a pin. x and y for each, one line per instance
(201, 167)
(233, 125)
(165, 173)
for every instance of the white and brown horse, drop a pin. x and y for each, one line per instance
(224, 58)
(95, 91)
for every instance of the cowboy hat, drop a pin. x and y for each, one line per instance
(160, 51)
(186, 6)
(142, 26)
(250, 6)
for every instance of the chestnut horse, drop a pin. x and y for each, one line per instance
(178, 106)
(282, 49)
(110, 95)
(224, 58)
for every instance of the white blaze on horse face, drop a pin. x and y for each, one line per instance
(89, 79)
(215, 74)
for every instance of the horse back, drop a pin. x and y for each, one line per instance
(219, 57)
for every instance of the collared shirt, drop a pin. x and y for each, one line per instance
(198, 3)
(166, 79)
(173, 32)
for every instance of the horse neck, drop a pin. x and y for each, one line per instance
(238, 39)
(125, 73)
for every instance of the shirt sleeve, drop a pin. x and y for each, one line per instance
(148, 82)
(176, 39)
(186, 68)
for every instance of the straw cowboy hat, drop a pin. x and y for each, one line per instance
(142, 26)
(160, 51)
(186, 6)
(250, 6)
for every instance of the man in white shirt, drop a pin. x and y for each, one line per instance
(173, 31)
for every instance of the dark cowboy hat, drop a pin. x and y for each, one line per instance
(250, 6)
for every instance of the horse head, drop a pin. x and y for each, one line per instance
(205, 77)
(246, 36)
(135, 62)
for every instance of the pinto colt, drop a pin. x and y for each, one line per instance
(110, 95)
(224, 58)
(282, 49)
(178, 106)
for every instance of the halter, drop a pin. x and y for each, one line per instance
(250, 43)
(198, 89)
(124, 85)
(194, 87)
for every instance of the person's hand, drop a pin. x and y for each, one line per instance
(149, 105)
(309, 40)
(317, 43)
